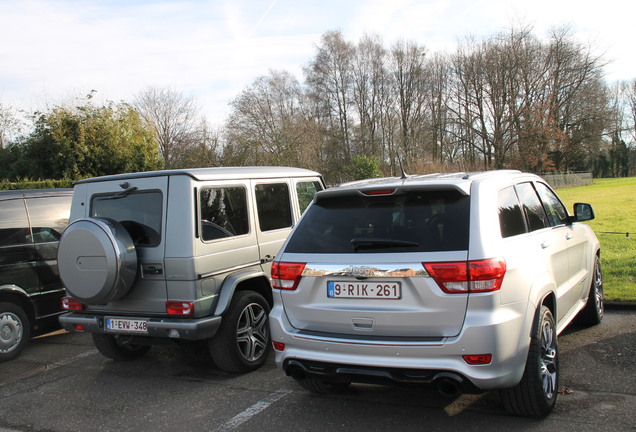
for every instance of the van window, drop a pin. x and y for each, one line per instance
(306, 191)
(223, 212)
(14, 228)
(49, 217)
(511, 221)
(273, 206)
(138, 212)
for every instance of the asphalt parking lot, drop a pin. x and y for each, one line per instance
(61, 383)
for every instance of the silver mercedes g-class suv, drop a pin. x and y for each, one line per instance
(180, 255)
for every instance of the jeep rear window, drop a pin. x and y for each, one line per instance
(139, 212)
(412, 221)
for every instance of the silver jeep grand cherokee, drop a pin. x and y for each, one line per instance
(459, 280)
(180, 256)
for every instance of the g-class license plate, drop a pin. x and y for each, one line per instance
(120, 325)
(364, 290)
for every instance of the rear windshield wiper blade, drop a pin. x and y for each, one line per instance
(122, 194)
(372, 243)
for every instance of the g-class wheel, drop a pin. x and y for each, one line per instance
(242, 342)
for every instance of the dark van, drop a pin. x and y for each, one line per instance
(31, 224)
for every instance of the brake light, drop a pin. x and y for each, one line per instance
(179, 308)
(379, 192)
(286, 275)
(478, 359)
(468, 276)
(278, 346)
(69, 303)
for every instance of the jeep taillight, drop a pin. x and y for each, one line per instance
(468, 276)
(286, 275)
(69, 303)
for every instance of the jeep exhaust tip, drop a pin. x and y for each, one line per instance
(296, 370)
(448, 385)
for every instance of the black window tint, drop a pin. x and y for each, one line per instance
(273, 206)
(557, 212)
(223, 212)
(532, 207)
(511, 219)
(49, 217)
(139, 212)
(14, 228)
(413, 221)
(306, 191)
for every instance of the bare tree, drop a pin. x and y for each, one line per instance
(9, 124)
(175, 120)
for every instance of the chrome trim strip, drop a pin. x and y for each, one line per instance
(229, 269)
(375, 270)
(370, 340)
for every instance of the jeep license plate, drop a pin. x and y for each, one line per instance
(364, 290)
(120, 325)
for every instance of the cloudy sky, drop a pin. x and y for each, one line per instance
(53, 50)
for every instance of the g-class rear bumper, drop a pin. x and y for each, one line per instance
(173, 328)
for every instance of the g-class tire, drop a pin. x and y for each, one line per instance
(536, 394)
(14, 330)
(118, 347)
(242, 342)
(97, 260)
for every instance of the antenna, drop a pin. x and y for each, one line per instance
(404, 176)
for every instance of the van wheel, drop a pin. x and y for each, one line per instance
(118, 347)
(592, 313)
(14, 330)
(536, 394)
(242, 341)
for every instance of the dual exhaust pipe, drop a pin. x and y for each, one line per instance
(447, 384)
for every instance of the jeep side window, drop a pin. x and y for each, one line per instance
(15, 226)
(223, 212)
(273, 206)
(306, 191)
(535, 214)
(49, 217)
(557, 213)
(511, 220)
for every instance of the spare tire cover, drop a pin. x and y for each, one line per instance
(97, 260)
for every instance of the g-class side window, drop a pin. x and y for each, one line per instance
(273, 206)
(223, 212)
(511, 221)
(306, 191)
(138, 212)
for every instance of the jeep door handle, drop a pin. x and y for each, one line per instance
(545, 244)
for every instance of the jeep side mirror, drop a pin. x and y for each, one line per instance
(583, 212)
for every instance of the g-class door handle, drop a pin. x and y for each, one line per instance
(568, 236)
(266, 259)
(545, 244)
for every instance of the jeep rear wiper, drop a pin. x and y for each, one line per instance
(372, 243)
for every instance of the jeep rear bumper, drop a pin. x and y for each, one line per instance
(190, 329)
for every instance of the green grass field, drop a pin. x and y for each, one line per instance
(614, 203)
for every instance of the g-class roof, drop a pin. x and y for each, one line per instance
(217, 173)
